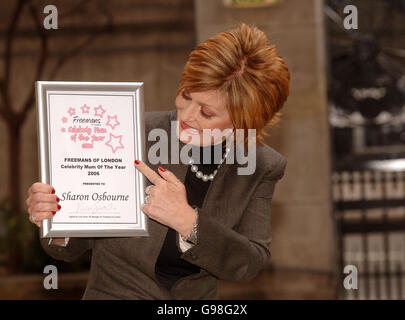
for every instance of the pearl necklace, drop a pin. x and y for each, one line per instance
(207, 177)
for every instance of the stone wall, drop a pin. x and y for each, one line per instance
(148, 42)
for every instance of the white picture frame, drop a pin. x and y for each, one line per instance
(89, 134)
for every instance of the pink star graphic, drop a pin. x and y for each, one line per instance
(102, 111)
(115, 140)
(85, 108)
(116, 123)
(71, 111)
(63, 129)
(64, 119)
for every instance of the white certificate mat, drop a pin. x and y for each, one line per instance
(89, 140)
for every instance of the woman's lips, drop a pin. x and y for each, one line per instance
(189, 129)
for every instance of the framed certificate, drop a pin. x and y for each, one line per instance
(89, 135)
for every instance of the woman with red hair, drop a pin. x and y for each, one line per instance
(207, 222)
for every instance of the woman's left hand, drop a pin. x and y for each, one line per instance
(166, 200)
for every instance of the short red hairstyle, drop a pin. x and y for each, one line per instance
(247, 69)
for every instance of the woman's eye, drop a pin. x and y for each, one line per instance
(205, 115)
(186, 97)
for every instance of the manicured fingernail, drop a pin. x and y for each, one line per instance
(57, 199)
(53, 212)
(53, 190)
(59, 207)
(137, 162)
(162, 169)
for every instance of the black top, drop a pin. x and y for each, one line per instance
(169, 266)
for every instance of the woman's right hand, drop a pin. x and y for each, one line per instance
(42, 202)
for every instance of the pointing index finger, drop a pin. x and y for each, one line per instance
(151, 175)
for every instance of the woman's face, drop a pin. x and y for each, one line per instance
(202, 110)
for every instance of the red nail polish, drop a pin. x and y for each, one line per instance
(162, 169)
(137, 162)
(53, 190)
(59, 207)
(53, 212)
(57, 199)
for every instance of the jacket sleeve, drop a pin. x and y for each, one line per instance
(239, 253)
(74, 249)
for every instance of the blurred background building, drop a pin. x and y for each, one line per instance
(341, 201)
